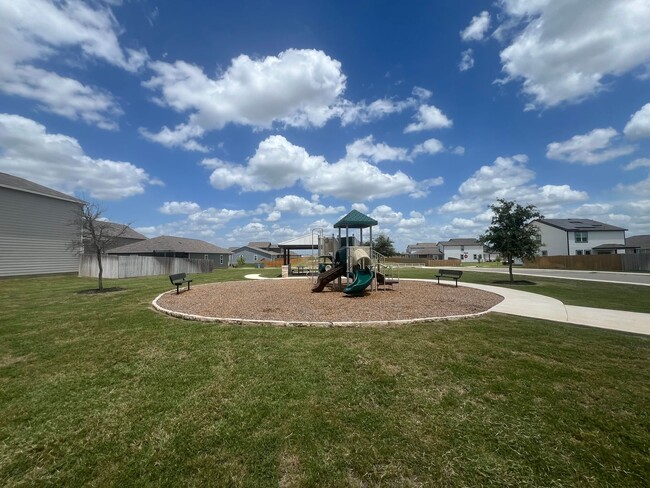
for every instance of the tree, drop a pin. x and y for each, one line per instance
(384, 245)
(98, 235)
(512, 233)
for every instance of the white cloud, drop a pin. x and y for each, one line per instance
(58, 161)
(375, 152)
(430, 146)
(183, 136)
(591, 148)
(466, 60)
(362, 112)
(639, 125)
(637, 163)
(509, 178)
(175, 208)
(278, 164)
(33, 31)
(563, 51)
(477, 28)
(298, 87)
(298, 205)
(428, 117)
(361, 207)
(414, 221)
(385, 215)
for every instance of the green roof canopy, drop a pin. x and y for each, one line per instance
(355, 220)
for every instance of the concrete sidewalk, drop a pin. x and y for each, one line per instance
(537, 306)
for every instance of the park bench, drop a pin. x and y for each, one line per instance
(449, 273)
(178, 280)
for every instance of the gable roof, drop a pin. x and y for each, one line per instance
(20, 184)
(170, 244)
(113, 228)
(642, 242)
(465, 241)
(571, 225)
(260, 244)
(355, 220)
(257, 250)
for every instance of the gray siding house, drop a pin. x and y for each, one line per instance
(176, 247)
(253, 255)
(36, 231)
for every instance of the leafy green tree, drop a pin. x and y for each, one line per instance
(384, 245)
(241, 261)
(512, 233)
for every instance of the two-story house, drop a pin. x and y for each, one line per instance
(579, 237)
(466, 249)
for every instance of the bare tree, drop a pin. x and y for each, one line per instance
(98, 235)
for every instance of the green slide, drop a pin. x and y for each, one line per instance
(362, 279)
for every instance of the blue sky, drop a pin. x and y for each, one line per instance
(260, 120)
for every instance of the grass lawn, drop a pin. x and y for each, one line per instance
(99, 390)
(615, 296)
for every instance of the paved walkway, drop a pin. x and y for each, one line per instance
(537, 306)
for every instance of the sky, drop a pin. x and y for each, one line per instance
(259, 120)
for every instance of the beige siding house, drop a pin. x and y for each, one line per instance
(36, 229)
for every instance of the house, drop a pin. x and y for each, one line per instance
(252, 254)
(424, 250)
(40, 229)
(125, 235)
(266, 246)
(467, 249)
(176, 247)
(578, 237)
(638, 244)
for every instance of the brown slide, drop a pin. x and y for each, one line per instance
(328, 276)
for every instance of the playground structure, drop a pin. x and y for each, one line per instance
(345, 258)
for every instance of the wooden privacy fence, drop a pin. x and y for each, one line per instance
(594, 262)
(132, 266)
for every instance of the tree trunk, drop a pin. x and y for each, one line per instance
(101, 270)
(510, 268)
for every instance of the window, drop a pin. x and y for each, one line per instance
(544, 253)
(462, 248)
(220, 258)
(475, 257)
(587, 253)
(205, 256)
(581, 237)
(255, 257)
(579, 252)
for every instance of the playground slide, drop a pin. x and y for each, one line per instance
(328, 276)
(362, 279)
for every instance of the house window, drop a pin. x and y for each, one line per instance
(581, 237)
(587, 253)
(255, 257)
(462, 248)
(475, 257)
(579, 252)
(544, 253)
(205, 256)
(220, 258)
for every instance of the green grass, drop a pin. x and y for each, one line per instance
(99, 390)
(615, 296)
